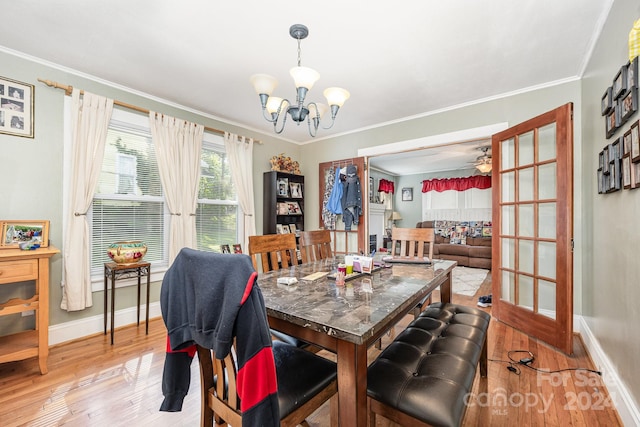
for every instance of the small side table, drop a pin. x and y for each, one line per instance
(115, 272)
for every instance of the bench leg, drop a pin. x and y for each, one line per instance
(484, 357)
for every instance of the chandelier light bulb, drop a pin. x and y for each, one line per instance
(336, 96)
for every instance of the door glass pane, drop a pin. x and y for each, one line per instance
(507, 150)
(547, 220)
(507, 288)
(547, 259)
(525, 220)
(525, 149)
(525, 256)
(547, 298)
(525, 291)
(525, 184)
(508, 187)
(547, 142)
(547, 181)
(509, 253)
(508, 220)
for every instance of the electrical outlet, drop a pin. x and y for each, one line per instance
(28, 313)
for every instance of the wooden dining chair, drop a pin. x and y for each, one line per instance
(273, 251)
(315, 245)
(305, 382)
(408, 244)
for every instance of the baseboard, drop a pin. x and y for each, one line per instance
(625, 404)
(81, 328)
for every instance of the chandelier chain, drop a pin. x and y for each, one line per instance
(299, 51)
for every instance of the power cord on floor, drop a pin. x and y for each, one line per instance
(513, 364)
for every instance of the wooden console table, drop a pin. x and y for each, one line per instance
(17, 266)
(116, 271)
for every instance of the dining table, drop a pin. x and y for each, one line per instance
(346, 318)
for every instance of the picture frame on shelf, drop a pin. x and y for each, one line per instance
(626, 172)
(620, 82)
(607, 101)
(635, 142)
(279, 229)
(16, 108)
(407, 194)
(296, 190)
(237, 248)
(225, 249)
(293, 208)
(282, 208)
(292, 228)
(282, 188)
(14, 232)
(628, 105)
(612, 121)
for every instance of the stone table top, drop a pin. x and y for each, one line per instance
(357, 310)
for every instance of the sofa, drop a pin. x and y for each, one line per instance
(465, 249)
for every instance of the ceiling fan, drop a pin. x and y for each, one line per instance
(483, 162)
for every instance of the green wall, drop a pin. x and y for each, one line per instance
(32, 169)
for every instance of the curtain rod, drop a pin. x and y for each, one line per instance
(68, 89)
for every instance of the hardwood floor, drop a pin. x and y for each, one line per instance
(91, 383)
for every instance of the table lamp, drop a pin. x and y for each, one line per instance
(394, 217)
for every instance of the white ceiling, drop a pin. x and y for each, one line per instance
(398, 59)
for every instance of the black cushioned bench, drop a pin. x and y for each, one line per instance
(423, 376)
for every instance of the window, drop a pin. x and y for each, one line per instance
(129, 203)
(217, 219)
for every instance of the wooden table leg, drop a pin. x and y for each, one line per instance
(445, 290)
(352, 384)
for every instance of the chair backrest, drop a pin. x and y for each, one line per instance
(315, 245)
(218, 399)
(411, 243)
(273, 251)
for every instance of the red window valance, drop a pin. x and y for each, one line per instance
(385, 186)
(481, 182)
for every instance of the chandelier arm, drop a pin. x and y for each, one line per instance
(267, 118)
(334, 113)
(284, 120)
(313, 129)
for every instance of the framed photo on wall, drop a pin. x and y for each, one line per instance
(620, 82)
(16, 108)
(612, 121)
(607, 101)
(635, 142)
(407, 194)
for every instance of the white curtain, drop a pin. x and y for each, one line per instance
(90, 122)
(178, 144)
(240, 154)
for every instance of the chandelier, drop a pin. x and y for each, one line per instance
(304, 79)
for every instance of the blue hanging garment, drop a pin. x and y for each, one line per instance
(334, 204)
